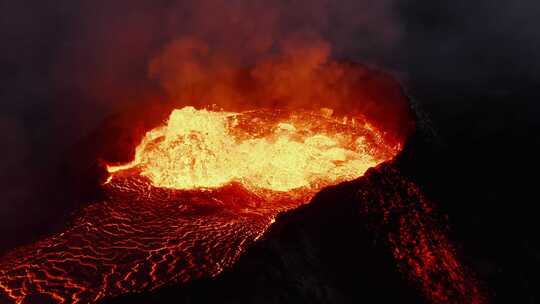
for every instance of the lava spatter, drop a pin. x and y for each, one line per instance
(263, 150)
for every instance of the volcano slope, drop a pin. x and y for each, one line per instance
(376, 238)
(138, 237)
(142, 237)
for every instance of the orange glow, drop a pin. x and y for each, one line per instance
(262, 149)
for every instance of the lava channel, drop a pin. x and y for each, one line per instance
(201, 188)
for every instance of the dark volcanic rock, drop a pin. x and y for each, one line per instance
(375, 239)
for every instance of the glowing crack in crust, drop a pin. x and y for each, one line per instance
(201, 189)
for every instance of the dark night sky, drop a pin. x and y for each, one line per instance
(56, 63)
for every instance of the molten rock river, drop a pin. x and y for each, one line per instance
(200, 190)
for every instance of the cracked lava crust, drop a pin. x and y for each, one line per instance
(201, 188)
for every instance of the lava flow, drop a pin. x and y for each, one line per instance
(201, 188)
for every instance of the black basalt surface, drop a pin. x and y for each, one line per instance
(323, 252)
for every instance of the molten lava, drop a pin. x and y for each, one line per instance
(200, 190)
(262, 150)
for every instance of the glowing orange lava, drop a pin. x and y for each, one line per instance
(202, 188)
(263, 150)
(206, 185)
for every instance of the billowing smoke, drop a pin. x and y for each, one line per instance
(129, 53)
(70, 64)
